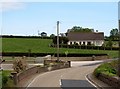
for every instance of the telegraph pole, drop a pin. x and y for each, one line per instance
(119, 46)
(119, 51)
(58, 40)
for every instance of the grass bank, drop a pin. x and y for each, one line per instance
(6, 80)
(37, 45)
(109, 69)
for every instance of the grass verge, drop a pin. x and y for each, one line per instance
(6, 80)
(109, 69)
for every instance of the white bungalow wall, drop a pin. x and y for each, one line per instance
(95, 42)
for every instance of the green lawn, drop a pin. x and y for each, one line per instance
(42, 46)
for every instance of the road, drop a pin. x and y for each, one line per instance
(73, 64)
(70, 77)
(64, 78)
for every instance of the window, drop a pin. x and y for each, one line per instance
(70, 43)
(83, 43)
(74, 42)
(79, 43)
(89, 43)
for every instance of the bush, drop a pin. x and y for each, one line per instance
(105, 68)
(4, 80)
(20, 64)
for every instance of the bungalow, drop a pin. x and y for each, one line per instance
(86, 38)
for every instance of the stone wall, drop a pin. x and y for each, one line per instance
(37, 69)
(82, 58)
(112, 81)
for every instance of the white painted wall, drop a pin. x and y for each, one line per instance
(96, 42)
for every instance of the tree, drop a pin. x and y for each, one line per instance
(52, 35)
(106, 38)
(114, 34)
(55, 40)
(43, 34)
(62, 40)
(80, 29)
(110, 43)
(65, 40)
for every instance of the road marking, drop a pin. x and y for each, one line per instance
(90, 82)
(35, 79)
(60, 82)
(41, 74)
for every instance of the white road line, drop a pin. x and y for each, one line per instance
(60, 82)
(35, 79)
(90, 81)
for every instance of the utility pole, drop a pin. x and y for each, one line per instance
(119, 51)
(58, 40)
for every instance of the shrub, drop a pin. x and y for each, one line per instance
(4, 80)
(105, 68)
(20, 64)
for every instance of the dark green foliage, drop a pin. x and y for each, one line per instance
(43, 34)
(110, 43)
(114, 34)
(52, 36)
(106, 68)
(65, 40)
(80, 29)
(76, 46)
(62, 40)
(5, 77)
(4, 80)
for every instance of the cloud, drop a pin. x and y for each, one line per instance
(6, 5)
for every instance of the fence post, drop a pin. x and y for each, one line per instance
(93, 57)
(14, 74)
(69, 63)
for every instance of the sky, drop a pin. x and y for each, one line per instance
(27, 18)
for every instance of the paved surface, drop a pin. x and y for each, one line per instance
(98, 83)
(8, 65)
(70, 77)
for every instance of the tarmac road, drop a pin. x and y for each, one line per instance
(74, 77)
(8, 66)
(65, 78)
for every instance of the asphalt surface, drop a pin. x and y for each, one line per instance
(74, 77)
(9, 66)
(70, 77)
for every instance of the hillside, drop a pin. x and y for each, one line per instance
(37, 45)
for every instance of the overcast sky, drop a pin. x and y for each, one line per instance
(26, 18)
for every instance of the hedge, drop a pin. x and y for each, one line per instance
(86, 47)
(26, 37)
(52, 54)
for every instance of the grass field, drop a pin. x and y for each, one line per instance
(42, 46)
